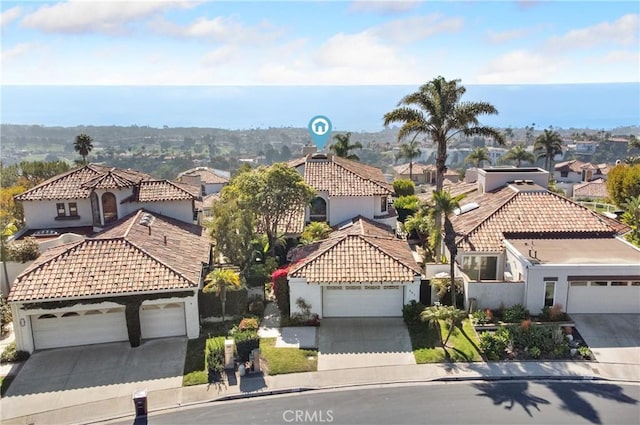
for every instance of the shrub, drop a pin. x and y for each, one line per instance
(246, 341)
(535, 352)
(405, 206)
(5, 315)
(248, 324)
(480, 317)
(280, 285)
(210, 306)
(404, 187)
(256, 307)
(24, 250)
(411, 312)
(494, 344)
(584, 351)
(258, 274)
(214, 356)
(10, 354)
(553, 314)
(525, 324)
(515, 314)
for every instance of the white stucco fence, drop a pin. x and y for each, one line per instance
(494, 294)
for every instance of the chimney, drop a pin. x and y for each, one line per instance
(149, 227)
(309, 149)
(165, 239)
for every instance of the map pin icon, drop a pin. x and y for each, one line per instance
(320, 130)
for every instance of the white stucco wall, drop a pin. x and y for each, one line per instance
(493, 294)
(180, 210)
(13, 270)
(346, 207)
(60, 240)
(210, 188)
(312, 294)
(42, 214)
(412, 291)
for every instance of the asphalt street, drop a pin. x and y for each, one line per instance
(496, 402)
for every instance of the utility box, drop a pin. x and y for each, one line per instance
(229, 348)
(256, 359)
(140, 402)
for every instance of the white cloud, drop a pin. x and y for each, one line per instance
(505, 36)
(417, 28)
(519, 66)
(9, 16)
(623, 31)
(220, 56)
(383, 7)
(617, 57)
(19, 50)
(86, 16)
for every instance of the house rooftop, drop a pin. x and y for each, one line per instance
(417, 168)
(139, 253)
(578, 251)
(207, 176)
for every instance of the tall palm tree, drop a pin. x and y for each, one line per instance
(518, 154)
(219, 282)
(478, 156)
(433, 315)
(409, 151)
(445, 204)
(83, 145)
(343, 146)
(548, 145)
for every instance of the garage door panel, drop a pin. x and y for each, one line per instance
(351, 302)
(79, 328)
(603, 299)
(164, 320)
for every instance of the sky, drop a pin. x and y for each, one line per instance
(244, 43)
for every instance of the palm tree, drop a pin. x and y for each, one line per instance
(478, 156)
(435, 314)
(548, 145)
(343, 146)
(422, 223)
(219, 282)
(409, 151)
(518, 154)
(83, 145)
(8, 229)
(445, 204)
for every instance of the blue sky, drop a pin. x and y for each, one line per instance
(318, 43)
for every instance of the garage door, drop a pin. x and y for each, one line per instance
(79, 328)
(160, 320)
(604, 297)
(362, 301)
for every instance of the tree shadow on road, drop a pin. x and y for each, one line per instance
(510, 395)
(575, 403)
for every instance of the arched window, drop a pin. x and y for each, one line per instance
(318, 209)
(109, 207)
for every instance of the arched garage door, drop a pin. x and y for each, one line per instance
(53, 330)
(362, 301)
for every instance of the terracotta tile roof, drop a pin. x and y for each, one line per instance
(123, 259)
(455, 188)
(207, 175)
(417, 168)
(506, 212)
(342, 177)
(363, 252)
(593, 189)
(577, 166)
(110, 180)
(160, 190)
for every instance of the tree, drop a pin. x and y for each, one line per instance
(508, 133)
(436, 110)
(623, 182)
(271, 196)
(631, 217)
(232, 231)
(423, 225)
(548, 145)
(315, 231)
(478, 156)
(8, 229)
(518, 154)
(529, 133)
(409, 151)
(404, 187)
(343, 146)
(445, 204)
(83, 145)
(219, 282)
(450, 315)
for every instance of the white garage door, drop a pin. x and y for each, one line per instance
(362, 301)
(160, 320)
(79, 328)
(604, 297)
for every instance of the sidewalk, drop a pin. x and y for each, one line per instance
(23, 410)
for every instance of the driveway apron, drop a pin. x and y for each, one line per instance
(612, 338)
(363, 342)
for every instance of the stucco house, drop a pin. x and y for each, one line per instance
(96, 196)
(138, 279)
(576, 171)
(209, 180)
(519, 243)
(420, 173)
(361, 270)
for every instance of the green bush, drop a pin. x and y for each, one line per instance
(494, 344)
(480, 317)
(246, 341)
(210, 306)
(404, 187)
(256, 307)
(5, 315)
(411, 312)
(535, 352)
(515, 314)
(10, 354)
(258, 274)
(248, 324)
(214, 355)
(25, 250)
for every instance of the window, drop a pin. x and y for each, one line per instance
(109, 207)
(70, 314)
(318, 209)
(600, 283)
(73, 209)
(480, 267)
(618, 283)
(60, 208)
(549, 292)
(578, 283)
(564, 174)
(635, 283)
(383, 204)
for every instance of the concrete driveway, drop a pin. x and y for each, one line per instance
(613, 338)
(345, 343)
(62, 377)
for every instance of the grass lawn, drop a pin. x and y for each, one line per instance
(287, 360)
(461, 347)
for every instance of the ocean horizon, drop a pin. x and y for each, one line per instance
(351, 108)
